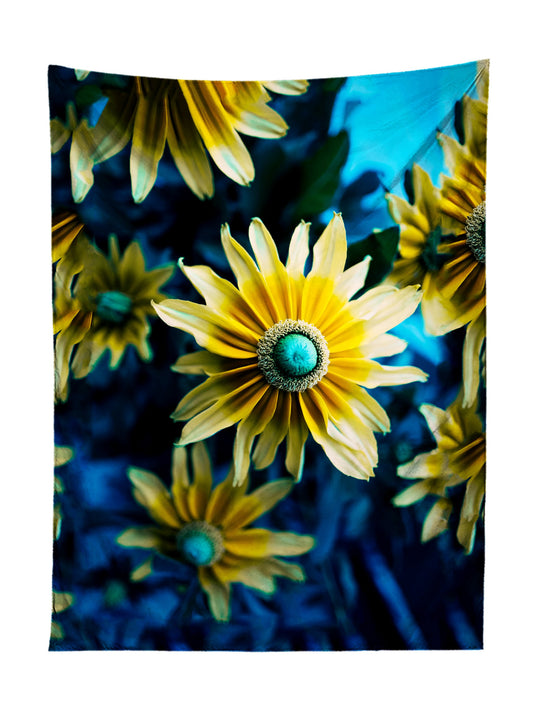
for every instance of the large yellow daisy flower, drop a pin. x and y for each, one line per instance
(288, 354)
(209, 529)
(192, 118)
(458, 459)
(107, 309)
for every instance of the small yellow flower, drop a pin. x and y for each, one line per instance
(209, 529)
(192, 118)
(458, 459)
(108, 308)
(288, 354)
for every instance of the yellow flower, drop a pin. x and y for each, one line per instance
(191, 117)
(288, 354)
(458, 459)
(108, 308)
(81, 149)
(209, 529)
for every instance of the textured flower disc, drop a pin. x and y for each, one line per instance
(200, 543)
(113, 306)
(293, 355)
(475, 232)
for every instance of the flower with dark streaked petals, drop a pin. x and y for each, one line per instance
(288, 354)
(209, 529)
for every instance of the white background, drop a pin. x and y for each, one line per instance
(245, 40)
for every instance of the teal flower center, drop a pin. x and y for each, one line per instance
(475, 232)
(295, 355)
(199, 543)
(113, 306)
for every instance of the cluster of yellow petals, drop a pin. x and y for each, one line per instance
(337, 411)
(458, 459)
(249, 555)
(193, 118)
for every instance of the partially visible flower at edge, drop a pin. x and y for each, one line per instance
(107, 308)
(287, 354)
(60, 602)
(192, 118)
(62, 456)
(459, 459)
(208, 528)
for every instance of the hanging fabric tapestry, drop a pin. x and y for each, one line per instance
(269, 323)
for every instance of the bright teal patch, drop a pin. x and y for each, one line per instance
(295, 355)
(197, 548)
(113, 306)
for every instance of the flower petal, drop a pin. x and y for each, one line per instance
(250, 507)
(473, 344)
(140, 537)
(274, 433)
(224, 413)
(220, 138)
(186, 146)
(274, 272)
(436, 521)
(148, 140)
(248, 429)
(218, 593)
(150, 492)
(212, 331)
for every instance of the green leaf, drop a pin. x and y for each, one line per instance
(382, 247)
(320, 175)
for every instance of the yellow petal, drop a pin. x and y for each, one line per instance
(212, 331)
(224, 495)
(180, 483)
(298, 250)
(272, 269)
(248, 429)
(203, 363)
(292, 87)
(220, 295)
(200, 490)
(475, 491)
(372, 374)
(148, 141)
(141, 537)
(220, 138)
(211, 390)
(296, 438)
(114, 127)
(473, 344)
(251, 282)
(436, 521)
(186, 146)
(248, 508)
(274, 433)
(217, 594)
(151, 493)
(224, 413)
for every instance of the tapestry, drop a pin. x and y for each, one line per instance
(269, 358)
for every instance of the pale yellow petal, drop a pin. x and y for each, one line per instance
(151, 493)
(218, 594)
(436, 521)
